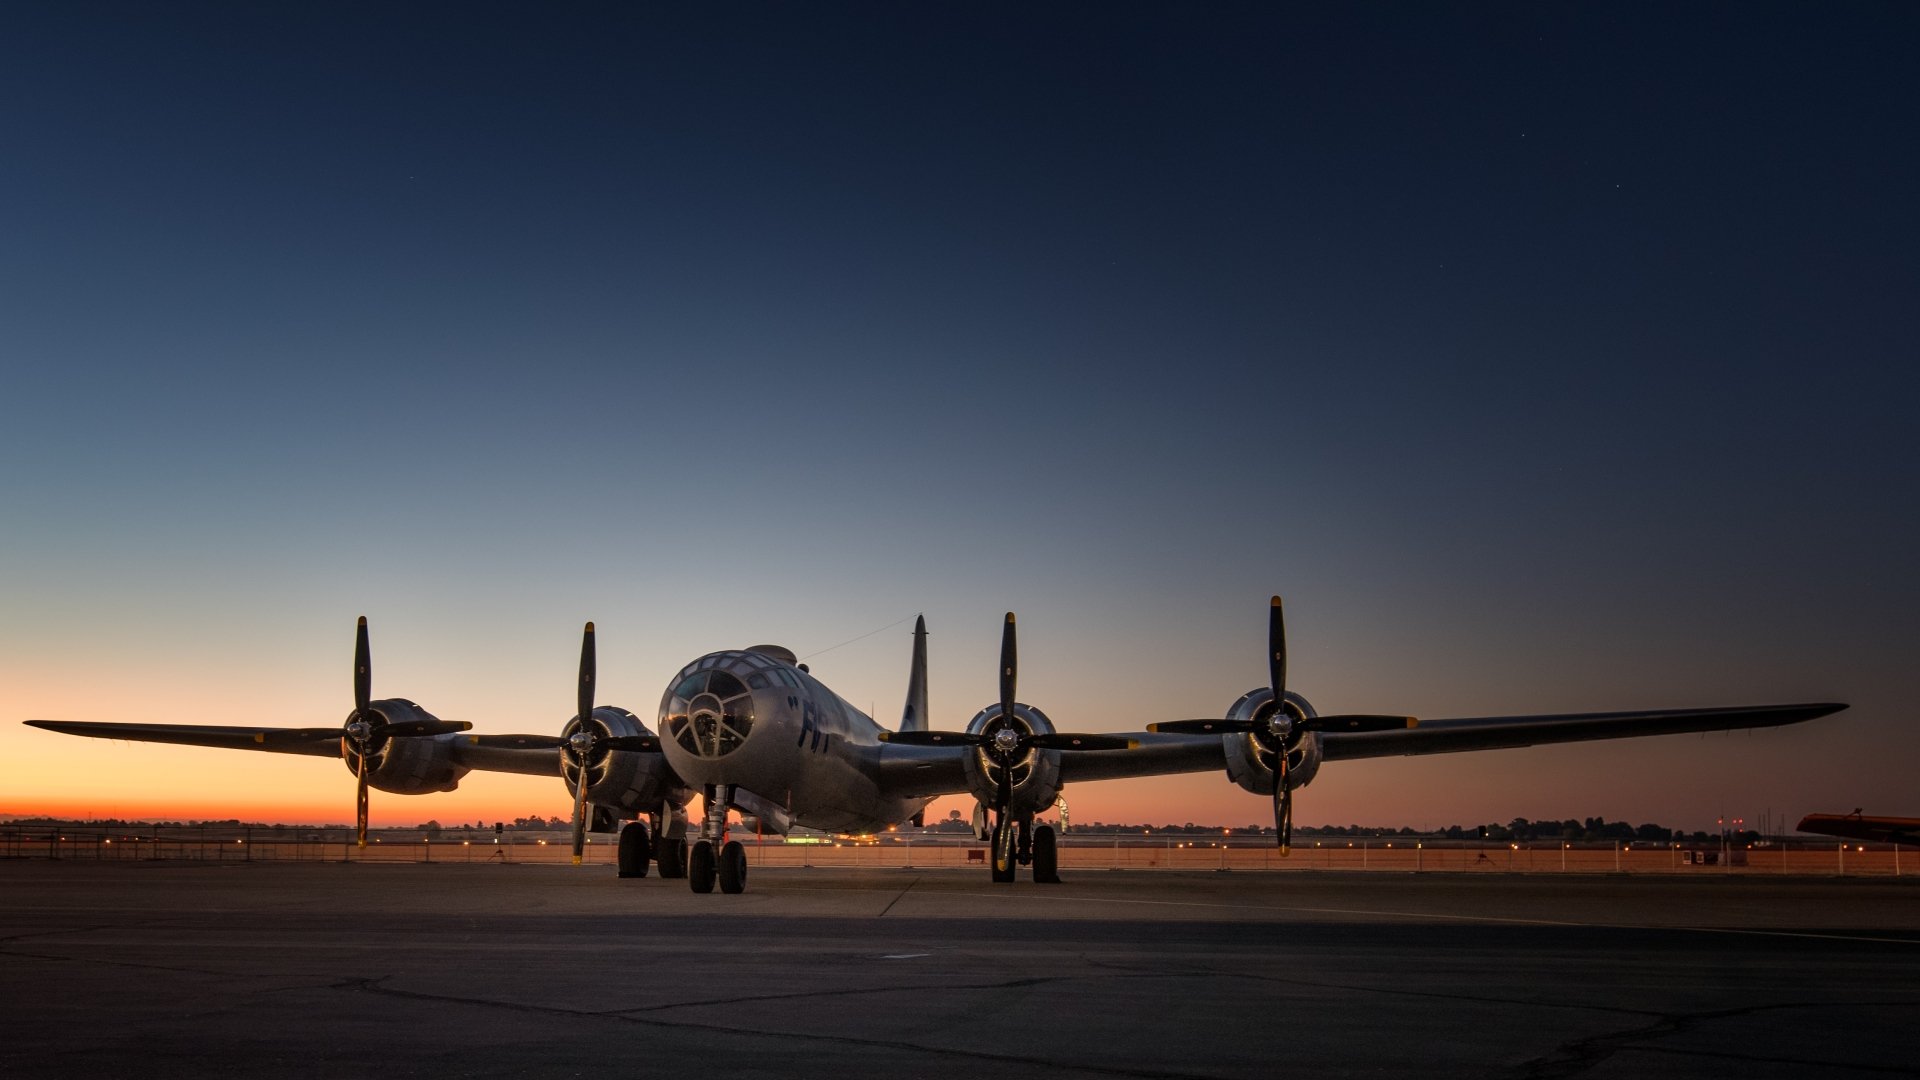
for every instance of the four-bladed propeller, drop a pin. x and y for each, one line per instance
(1002, 738)
(365, 729)
(586, 741)
(1277, 729)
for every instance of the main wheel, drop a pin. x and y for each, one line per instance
(673, 858)
(1003, 854)
(700, 866)
(733, 867)
(635, 850)
(1046, 856)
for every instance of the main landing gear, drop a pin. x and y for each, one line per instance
(638, 849)
(1017, 843)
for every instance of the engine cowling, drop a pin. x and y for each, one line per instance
(405, 766)
(621, 779)
(1036, 773)
(1245, 751)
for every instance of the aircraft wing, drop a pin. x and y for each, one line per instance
(1883, 830)
(1156, 755)
(1503, 732)
(912, 771)
(919, 771)
(227, 738)
(464, 751)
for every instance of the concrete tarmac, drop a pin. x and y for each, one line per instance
(285, 970)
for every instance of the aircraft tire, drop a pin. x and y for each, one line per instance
(1046, 856)
(636, 851)
(672, 857)
(733, 868)
(700, 868)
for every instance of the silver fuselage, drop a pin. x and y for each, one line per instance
(754, 722)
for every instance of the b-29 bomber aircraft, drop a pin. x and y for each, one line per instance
(752, 730)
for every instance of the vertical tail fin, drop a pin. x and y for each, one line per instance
(914, 717)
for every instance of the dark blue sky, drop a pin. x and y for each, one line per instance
(1547, 357)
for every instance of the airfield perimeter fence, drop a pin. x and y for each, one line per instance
(227, 843)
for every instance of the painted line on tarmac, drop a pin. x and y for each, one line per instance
(1464, 918)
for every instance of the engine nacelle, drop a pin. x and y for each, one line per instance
(620, 779)
(407, 766)
(1036, 773)
(1247, 754)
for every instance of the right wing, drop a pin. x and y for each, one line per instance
(1505, 732)
(1856, 826)
(226, 738)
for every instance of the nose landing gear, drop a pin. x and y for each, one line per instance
(713, 857)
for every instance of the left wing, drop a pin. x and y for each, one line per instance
(1504, 732)
(928, 770)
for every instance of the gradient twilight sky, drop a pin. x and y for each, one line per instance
(1544, 359)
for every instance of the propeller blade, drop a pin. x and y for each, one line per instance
(580, 814)
(642, 743)
(1359, 722)
(362, 672)
(1063, 741)
(585, 719)
(1277, 651)
(586, 675)
(1283, 808)
(417, 728)
(932, 738)
(1201, 727)
(1003, 795)
(360, 798)
(1009, 668)
(1286, 823)
(518, 742)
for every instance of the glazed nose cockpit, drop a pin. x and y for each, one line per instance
(709, 710)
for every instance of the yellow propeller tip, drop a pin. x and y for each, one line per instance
(260, 736)
(576, 860)
(363, 620)
(1009, 616)
(1155, 728)
(1413, 721)
(589, 626)
(1276, 601)
(886, 736)
(1285, 851)
(1133, 744)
